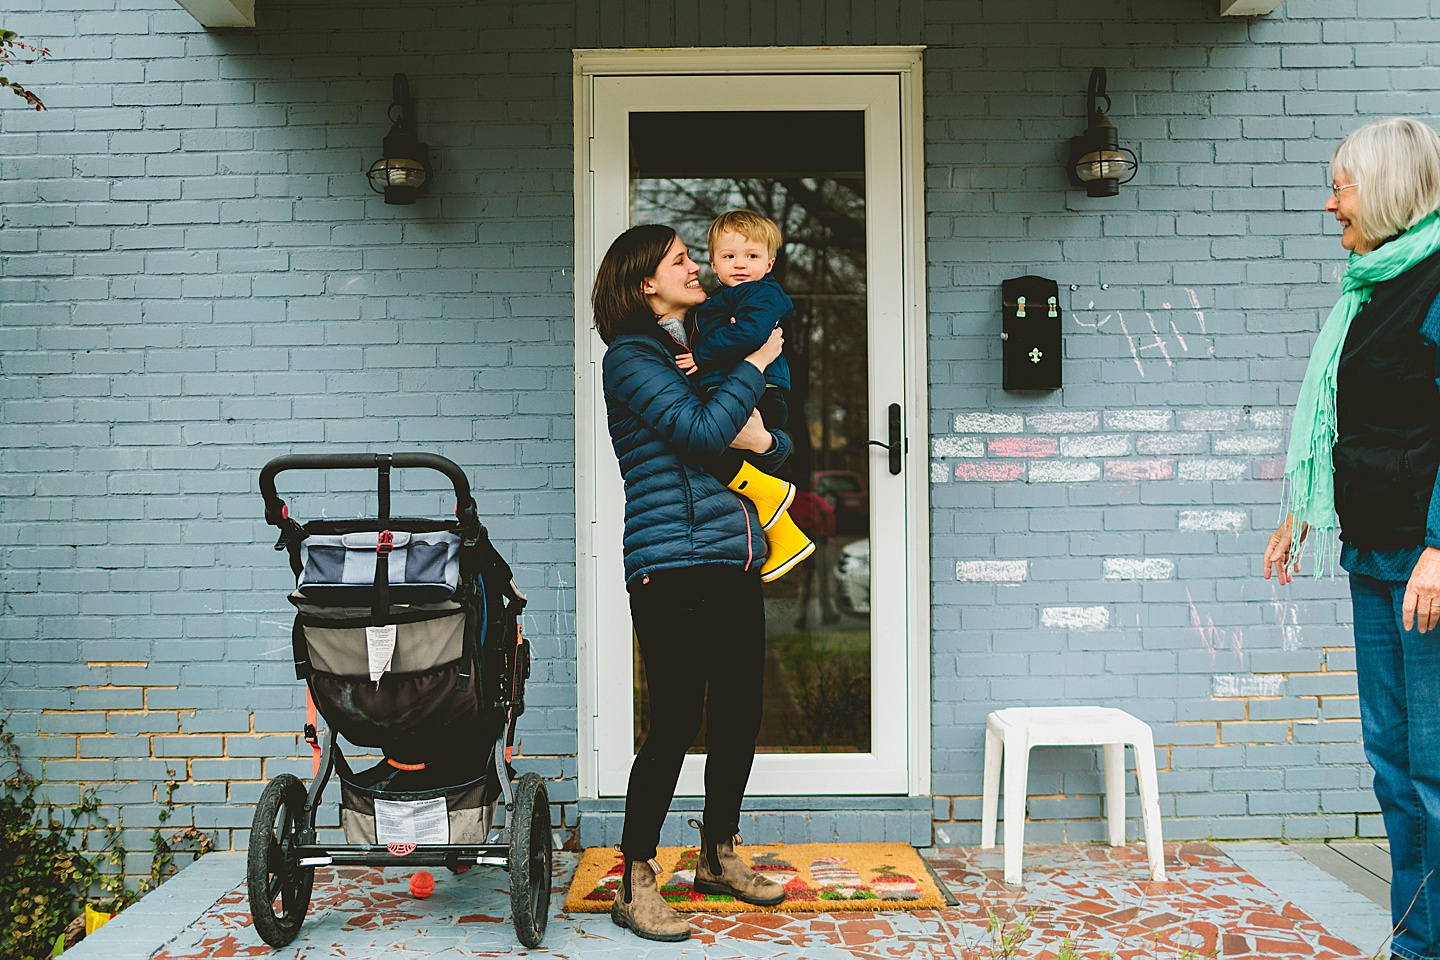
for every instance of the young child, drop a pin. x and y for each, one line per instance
(725, 329)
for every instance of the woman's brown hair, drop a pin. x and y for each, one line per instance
(620, 306)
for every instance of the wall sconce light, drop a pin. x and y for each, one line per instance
(403, 172)
(1097, 161)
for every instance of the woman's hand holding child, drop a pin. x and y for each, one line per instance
(768, 351)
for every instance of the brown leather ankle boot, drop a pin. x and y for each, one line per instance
(721, 871)
(640, 907)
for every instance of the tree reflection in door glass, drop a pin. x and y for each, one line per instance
(818, 674)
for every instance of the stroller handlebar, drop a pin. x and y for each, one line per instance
(275, 513)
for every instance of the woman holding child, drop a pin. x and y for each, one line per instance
(1365, 449)
(693, 552)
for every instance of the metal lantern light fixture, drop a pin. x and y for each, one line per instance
(1097, 161)
(403, 172)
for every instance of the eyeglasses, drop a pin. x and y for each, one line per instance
(1338, 188)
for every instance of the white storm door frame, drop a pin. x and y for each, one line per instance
(610, 86)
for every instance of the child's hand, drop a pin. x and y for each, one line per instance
(686, 363)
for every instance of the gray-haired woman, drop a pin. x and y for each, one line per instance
(1365, 449)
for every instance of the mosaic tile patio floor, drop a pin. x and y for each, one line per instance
(1096, 899)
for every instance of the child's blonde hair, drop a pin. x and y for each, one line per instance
(749, 225)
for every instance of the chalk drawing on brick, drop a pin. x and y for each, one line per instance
(1212, 638)
(1287, 615)
(1144, 345)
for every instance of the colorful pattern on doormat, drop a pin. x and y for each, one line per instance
(817, 877)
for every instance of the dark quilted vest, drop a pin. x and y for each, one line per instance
(1388, 406)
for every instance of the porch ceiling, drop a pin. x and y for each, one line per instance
(241, 13)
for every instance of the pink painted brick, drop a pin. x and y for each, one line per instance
(992, 470)
(1269, 468)
(1121, 470)
(1024, 447)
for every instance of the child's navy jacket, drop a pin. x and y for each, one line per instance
(758, 308)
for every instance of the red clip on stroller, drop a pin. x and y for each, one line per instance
(407, 635)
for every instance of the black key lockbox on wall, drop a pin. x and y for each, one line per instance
(1031, 333)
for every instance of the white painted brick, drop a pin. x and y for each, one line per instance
(1194, 521)
(1269, 419)
(1170, 444)
(1133, 568)
(957, 447)
(1138, 419)
(1211, 419)
(939, 473)
(1068, 422)
(1247, 685)
(1113, 445)
(992, 571)
(1075, 618)
(1063, 471)
(989, 423)
(1252, 444)
(1203, 470)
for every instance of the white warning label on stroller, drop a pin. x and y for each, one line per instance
(380, 645)
(412, 821)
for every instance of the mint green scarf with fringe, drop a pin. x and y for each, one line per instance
(1309, 494)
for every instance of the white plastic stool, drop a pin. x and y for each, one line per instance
(1020, 728)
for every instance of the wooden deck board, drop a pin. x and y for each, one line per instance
(1369, 854)
(1347, 870)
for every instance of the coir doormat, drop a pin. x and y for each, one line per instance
(817, 877)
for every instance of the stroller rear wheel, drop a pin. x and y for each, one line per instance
(530, 859)
(279, 887)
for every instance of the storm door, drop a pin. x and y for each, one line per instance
(820, 155)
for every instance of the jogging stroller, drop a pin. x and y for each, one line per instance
(407, 636)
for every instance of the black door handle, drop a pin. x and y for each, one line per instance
(896, 446)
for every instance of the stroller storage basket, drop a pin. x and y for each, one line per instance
(426, 636)
(398, 686)
(399, 814)
(407, 636)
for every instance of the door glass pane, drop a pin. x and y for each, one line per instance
(806, 171)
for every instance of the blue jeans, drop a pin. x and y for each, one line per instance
(1398, 669)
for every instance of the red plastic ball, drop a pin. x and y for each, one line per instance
(422, 885)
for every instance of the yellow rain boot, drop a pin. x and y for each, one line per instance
(771, 495)
(788, 546)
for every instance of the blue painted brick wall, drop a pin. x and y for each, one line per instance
(195, 278)
(1100, 544)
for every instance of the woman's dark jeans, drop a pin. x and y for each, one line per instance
(1399, 678)
(701, 632)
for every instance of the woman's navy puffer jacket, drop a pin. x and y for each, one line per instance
(676, 514)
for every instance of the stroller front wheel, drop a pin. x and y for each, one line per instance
(279, 887)
(530, 859)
